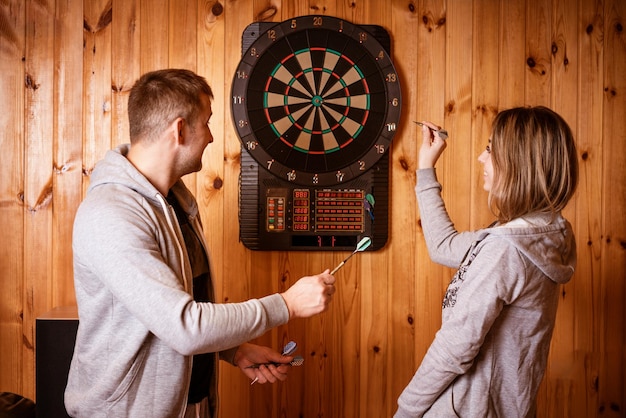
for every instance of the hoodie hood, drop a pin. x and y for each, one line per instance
(116, 169)
(549, 245)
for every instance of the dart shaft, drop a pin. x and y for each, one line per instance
(342, 263)
(338, 267)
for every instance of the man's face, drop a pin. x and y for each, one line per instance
(197, 137)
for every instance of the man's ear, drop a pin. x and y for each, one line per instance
(177, 127)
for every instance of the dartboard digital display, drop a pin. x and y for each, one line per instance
(316, 100)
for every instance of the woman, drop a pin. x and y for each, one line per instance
(489, 356)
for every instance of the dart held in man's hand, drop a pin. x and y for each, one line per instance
(361, 246)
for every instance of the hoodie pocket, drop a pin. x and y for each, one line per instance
(127, 382)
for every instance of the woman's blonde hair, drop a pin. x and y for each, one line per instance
(534, 161)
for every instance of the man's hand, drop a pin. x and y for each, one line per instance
(251, 354)
(310, 295)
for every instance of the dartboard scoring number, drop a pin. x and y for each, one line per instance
(316, 100)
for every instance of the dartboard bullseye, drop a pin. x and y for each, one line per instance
(316, 100)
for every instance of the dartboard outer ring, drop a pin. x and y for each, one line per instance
(316, 100)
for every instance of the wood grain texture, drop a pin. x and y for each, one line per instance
(38, 177)
(66, 70)
(12, 210)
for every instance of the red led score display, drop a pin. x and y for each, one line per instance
(331, 210)
(339, 210)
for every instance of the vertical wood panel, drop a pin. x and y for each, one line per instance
(585, 286)
(154, 34)
(68, 173)
(512, 53)
(125, 27)
(403, 228)
(558, 393)
(538, 60)
(365, 330)
(38, 176)
(456, 163)
(431, 279)
(613, 264)
(238, 272)
(485, 88)
(210, 191)
(12, 148)
(96, 83)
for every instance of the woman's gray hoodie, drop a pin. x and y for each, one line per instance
(489, 356)
(139, 325)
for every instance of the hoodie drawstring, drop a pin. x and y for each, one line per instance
(168, 216)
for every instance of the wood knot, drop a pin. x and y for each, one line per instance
(450, 107)
(410, 320)
(218, 183)
(30, 83)
(589, 29)
(404, 164)
(27, 343)
(267, 14)
(531, 62)
(104, 20)
(584, 156)
(60, 169)
(217, 9)
(376, 349)
(411, 7)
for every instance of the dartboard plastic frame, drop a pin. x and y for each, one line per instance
(316, 100)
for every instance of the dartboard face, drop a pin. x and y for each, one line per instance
(316, 100)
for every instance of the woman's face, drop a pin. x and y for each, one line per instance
(485, 159)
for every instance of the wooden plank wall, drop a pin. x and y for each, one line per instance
(66, 68)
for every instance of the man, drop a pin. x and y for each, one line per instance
(142, 277)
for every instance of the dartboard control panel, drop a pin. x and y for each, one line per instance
(316, 103)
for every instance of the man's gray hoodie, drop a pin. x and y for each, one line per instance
(139, 325)
(489, 356)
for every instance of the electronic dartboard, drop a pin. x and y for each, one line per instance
(315, 102)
